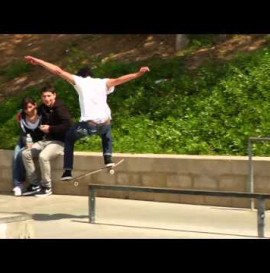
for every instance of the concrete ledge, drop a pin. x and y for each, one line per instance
(16, 226)
(221, 173)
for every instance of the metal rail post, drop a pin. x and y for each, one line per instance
(92, 205)
(261, 216)
(250, 172)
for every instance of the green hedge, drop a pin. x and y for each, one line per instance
(212, 110)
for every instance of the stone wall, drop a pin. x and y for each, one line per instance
(221, 173)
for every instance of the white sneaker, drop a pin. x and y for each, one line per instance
(110, 165)
(17, 191)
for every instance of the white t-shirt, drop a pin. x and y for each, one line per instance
(93, 98)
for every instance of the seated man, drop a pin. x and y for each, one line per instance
(56, 121)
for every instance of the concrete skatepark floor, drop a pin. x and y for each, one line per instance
(65, 216)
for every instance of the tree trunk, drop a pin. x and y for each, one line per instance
(181, 41)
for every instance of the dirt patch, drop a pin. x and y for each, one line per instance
(226, 50)
(54, 48)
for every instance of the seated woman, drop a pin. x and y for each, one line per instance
(29, 123)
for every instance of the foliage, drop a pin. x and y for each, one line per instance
(16, 69)
(213, 110)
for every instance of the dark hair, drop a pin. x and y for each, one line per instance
(85, 72)
(25, 102)
(48, 88)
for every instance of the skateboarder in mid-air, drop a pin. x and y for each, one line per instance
(95, 112)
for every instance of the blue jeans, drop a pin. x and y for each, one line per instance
(19, 173)
(81, 130)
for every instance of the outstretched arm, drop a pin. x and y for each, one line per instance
(54, 69)
(127, 78)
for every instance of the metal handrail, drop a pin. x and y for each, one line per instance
(259, 196)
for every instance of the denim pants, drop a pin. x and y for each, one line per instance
(81, 130)
(19, 173)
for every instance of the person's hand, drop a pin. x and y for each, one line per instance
(32, 60)
(144, 70)
(45, 128)
(19, 116)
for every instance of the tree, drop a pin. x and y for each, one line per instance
(181, 41)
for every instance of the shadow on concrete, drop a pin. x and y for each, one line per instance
(49, 217)
(167, 229)
(241, 209)
(56, 216)
(231, 208)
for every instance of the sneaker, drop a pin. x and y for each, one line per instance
(44, 192)
(17, 191)
(108, 161)
(66, 175)
(32, 189)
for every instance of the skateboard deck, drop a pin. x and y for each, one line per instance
(110, 169)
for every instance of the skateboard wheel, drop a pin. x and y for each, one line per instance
(76, 183)
(111, 171)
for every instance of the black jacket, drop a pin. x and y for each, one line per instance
(59, 119)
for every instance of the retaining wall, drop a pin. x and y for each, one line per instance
(221, 173)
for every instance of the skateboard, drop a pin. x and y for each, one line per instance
(110, 169)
